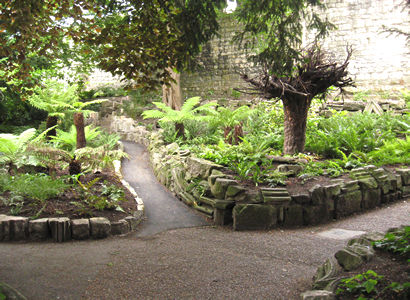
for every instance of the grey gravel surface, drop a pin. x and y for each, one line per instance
(162, 210)
(188, 263)
(202, 262)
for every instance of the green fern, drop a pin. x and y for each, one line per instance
(13, 147)
(59, 100)
(98, 158)
(67, 140)
(90, 158)
(187, 112)
(227, 117)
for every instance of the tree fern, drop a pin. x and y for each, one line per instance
(189, 104)
(187, 112)
(67, 140)
(12, 147)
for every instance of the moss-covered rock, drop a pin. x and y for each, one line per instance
(254, 216)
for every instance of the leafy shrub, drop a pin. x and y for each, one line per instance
(362, 285)
(16, 112)
(397, 242)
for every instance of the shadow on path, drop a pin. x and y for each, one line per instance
(163, 211)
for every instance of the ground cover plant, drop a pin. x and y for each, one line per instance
(39, 195)
(387, 276)
(334, 145)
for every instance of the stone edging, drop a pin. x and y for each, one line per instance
(202, 185)
(357, 252)
(63, 229)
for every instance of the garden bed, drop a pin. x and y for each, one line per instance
(391, 267)
(229, 198)
(76, 202)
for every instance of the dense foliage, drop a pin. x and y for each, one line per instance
(334, 145)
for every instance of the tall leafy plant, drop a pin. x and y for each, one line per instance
(189, 111)
(60, 100)
(231, 120)
(13, 148)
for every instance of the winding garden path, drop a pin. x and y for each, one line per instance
(162, 210)
(199, 262)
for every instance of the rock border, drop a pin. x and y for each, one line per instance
(14, 228)
(202, 185)
(358, 251)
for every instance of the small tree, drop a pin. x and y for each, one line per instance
(59, 100)
(274, 29)
(311, 78)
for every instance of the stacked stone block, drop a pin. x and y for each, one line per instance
(63, 229)
(204, 186)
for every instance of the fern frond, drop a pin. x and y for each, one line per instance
(189, 104)
(162, 106)
(50, 156)
(81, 105)
(25, 137)
(153, 114)
(98, 158)
(7, 146)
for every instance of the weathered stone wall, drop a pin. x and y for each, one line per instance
(215, 74)
(379, 61)
(204, 186)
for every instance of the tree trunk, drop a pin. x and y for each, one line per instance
(171, 95)
(74, 167)
(51, 121)
(295, 113)
(79, 126)
(180, 130)
(232, 135)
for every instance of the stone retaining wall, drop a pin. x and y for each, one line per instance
(204, 186)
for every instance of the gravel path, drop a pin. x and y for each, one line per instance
(202, 262)
(162, 210)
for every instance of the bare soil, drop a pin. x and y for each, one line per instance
(71, 202)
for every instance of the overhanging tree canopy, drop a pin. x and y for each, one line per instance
(35, 28)
(144, 40)
(139, 40)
